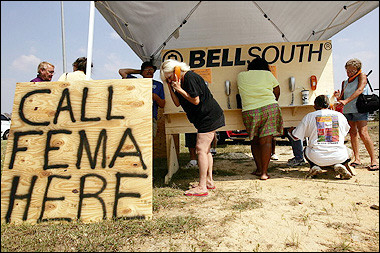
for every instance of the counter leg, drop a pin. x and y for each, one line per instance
(172, 159)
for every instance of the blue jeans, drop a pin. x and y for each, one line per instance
(297, 149)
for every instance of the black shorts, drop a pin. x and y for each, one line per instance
(214, 125)
(190, 140)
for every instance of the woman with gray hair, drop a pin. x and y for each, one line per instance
(351, 89)
(189, 90)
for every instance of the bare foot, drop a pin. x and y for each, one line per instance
(209, 186)
(196, 191)
(257, 173)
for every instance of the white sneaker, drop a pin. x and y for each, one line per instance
(342, 170)
(274, 157)
(315, 170)
(213, 151)
(193, 164)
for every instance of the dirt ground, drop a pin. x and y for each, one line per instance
(285, 213)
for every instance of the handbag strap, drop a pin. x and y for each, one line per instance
(368, 80)
(343, 88)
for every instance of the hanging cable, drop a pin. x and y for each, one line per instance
(266, 16)
(175, 31)
(344, 22)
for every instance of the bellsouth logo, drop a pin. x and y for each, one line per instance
(224, 57)
(172, 54)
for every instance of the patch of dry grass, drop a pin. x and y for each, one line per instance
(200, 224)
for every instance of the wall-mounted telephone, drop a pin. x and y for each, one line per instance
(292, 83)
(313, 82)
(228, 92)
(292, 87)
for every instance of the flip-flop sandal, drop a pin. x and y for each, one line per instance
(196, 194)
(355, 164)
(373, 167)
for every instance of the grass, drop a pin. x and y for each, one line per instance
(94, 237)
(293, 241)
(173, 221)
(248, 204)
(122, 235)
(109, 235)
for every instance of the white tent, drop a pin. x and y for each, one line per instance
(151, 26)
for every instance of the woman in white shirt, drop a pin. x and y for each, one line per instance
(79, 68)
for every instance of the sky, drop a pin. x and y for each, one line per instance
(31, 33)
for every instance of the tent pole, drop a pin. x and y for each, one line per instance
(90, 40)
(63, 38)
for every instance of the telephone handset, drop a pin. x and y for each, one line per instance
(313, 82)
(292, 87)
(177, 72)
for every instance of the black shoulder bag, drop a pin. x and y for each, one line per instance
(368, 103)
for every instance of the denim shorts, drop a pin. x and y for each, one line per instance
(356, 116)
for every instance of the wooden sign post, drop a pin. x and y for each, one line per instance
(79, 151)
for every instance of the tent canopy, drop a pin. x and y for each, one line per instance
(151, 26)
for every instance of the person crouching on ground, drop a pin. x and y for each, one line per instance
(326, 130)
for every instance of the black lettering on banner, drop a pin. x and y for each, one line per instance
(15, 149)
(225, 61)
(119, 195)
(48, 148)
(211, 57)
(46, 198)
(197, 56)
(302, 46)
(283, 54)
(83, 195)
(84, 142)
(127, 132)
(319, 52)
(13, 196)
(252, 54)
(21, 108)
(277, 54)
(109, 107)
(83, 108)
(65, 94)
(238, 57)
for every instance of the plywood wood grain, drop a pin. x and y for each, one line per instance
(79, 150)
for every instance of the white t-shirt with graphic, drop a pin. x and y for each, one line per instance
(326, 130)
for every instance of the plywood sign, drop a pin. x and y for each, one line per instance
(221, 63)
(79, 150)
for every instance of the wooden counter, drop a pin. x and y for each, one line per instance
(177, 123)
